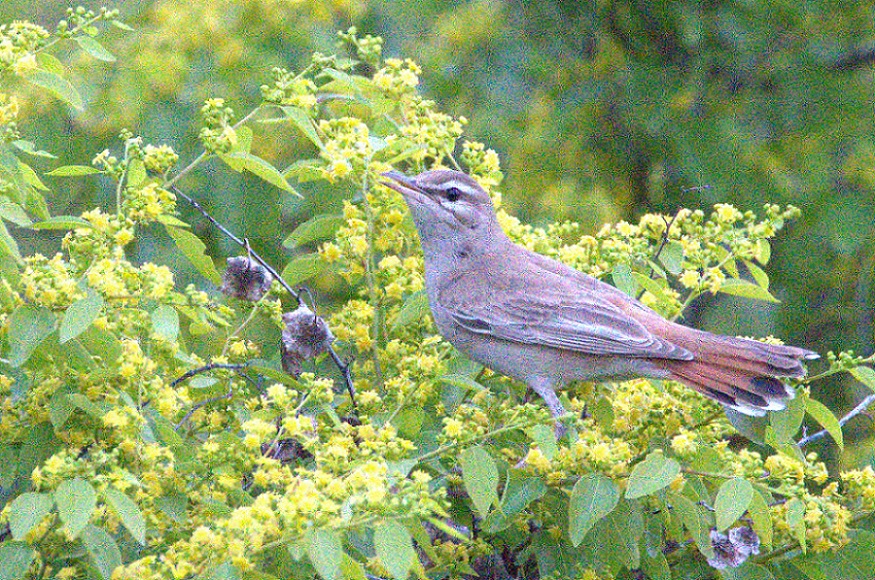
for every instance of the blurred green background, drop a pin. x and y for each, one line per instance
(599, 110)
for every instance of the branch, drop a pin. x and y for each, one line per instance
(207, 368)
(858, 410)
(857, 58)
(298, 295)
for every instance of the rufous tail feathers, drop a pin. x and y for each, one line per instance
(737, 372)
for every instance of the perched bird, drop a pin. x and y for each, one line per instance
(546, 324)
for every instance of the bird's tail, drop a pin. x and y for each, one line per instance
(737, 372)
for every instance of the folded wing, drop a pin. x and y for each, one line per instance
(580, 323)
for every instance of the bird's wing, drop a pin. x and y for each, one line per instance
(577, 321)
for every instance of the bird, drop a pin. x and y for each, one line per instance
(546, 324)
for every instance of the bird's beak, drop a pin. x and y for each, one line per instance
(406, 187)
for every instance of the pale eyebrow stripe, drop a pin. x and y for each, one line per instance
(459, 185)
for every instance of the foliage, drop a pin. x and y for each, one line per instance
(142, 436)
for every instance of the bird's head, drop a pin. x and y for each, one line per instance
(446, 204)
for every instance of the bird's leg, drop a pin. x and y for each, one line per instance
(544, 387)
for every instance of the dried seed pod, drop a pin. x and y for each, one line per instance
(305, 336)
(726, 554)
(285, 450)
(731, 551)
(745, 540)
(245, 279)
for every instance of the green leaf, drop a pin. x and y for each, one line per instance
(8, 245)
(764, 252)
(796, 521)
(855, 560)
(320, 227)
(820, 413)
(28, 326)
(786, 423)
(747, 571)
(169, 220)
(351, 570)
(30, 149)
(26, 511)
(655, 567)
(865, 375)
(461, 381)
(480, 476)
(56, 85)
(693, 521)
(62, 222)
(302, 268)
(759, 276)
(326, 553)
(50, 63)
(224, 571)
(415, 308)
(656, 287)
(194, 249)
(733, 499)
(240, 160)
(84, 403)
(165, 322)
(94, 48)
(121, 26)
(15, 559)
(303, 122)
(672, 257)
(754, 428)
(60, 408)
(244, 139)
(76, 501)
(521, 490)
(394, 548)
(624, 280)
(30, 177)
(745, 289)
(73, 171)
(761, 518)
(80, 315)
(128, 512)
(593, 497)
(613, 541)
(545, 438)
(103, 550)
(651, 475)
(14, 213)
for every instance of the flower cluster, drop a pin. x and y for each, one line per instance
(217, 135)
(289, 90)
(228, 465)
(19, 42)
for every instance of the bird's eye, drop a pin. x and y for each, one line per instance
(453, 194)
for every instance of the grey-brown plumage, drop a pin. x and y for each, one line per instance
(542, 322)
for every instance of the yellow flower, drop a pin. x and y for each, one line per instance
(536, 458)
(689, 279)
(453, 427)
(331, 252)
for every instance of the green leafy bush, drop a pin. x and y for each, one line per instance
(142, 436)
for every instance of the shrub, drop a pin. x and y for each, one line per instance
(142, 436)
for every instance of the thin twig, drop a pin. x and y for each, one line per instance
(206, 368)
(859, 409)
(342, 366)
(204, 154)
(201, 404)
(662, 244)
